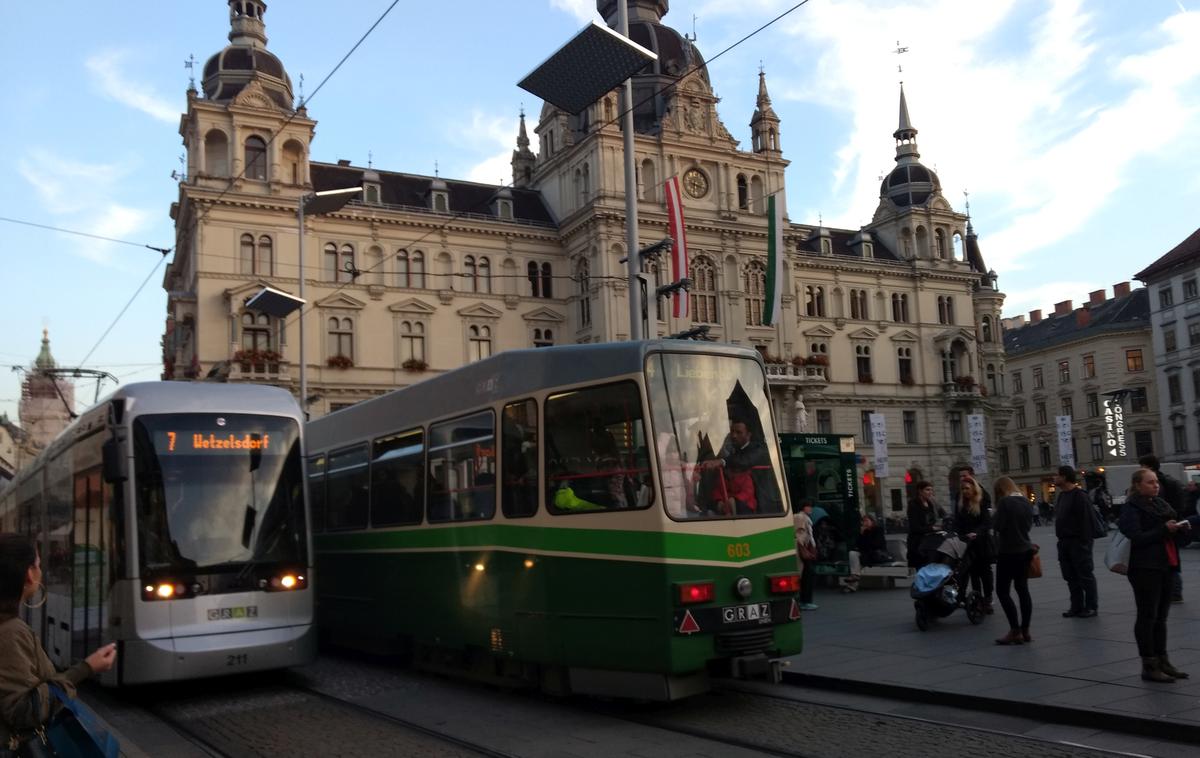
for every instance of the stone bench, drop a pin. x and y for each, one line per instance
(895, 574)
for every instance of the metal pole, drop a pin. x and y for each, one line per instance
(631, 218)
(303, 364)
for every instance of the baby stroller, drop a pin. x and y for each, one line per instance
(944, 584)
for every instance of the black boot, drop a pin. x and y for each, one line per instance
(1152, 671)
(1170, 670)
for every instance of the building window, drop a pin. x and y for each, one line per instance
(1068, 407)
(480, 342)
(704, 292)
(904, 357)
(341, 337)
(864, 430)
(1093, 405)
(256, 158)
(1089, 366)
(985, 329)
(1044, 454)
(412, 341)
(1097, 447)
(1193, 333)
(824, 421)
(1143, 443)
(1174, 390)
(1018, 388)
(900, 308)
(410, 269)
(484, 274)
(858, 304)
(338, 266)
(1039, 412)
(543, 337)
(256, 332)
(910, 427)
(743, 192)
(470, 274)
(1023, 457)
(585, 302)
(1138, 402)
(862, 355)
(257, 258)
(1037, 379)
(1169, 337)
(954, 419)
(814, 301)
(992, 379)
(1064, 372)
(1166, 297)
(945, 305)
(755, 286)
(1196, 383)
(1020, 419)
(1003, 459)
(1133, 360)
(1189, 289)
(547, 281)
(1180, 434)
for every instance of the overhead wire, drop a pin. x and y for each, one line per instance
(163, 250)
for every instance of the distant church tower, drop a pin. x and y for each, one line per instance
(46, 402)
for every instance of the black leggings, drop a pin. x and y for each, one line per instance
(1152, 594)
(807, 580)
(1013, 568)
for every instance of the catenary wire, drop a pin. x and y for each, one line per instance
(122, 313)
(163, 250)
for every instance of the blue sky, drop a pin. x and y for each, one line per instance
(1073, 125)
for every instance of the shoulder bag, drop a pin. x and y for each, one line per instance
(1035, 564)
(1117, 555)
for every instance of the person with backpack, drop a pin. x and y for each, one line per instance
(1172, 492)
(1076, 527)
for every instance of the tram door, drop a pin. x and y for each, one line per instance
(821, 470)
(89, 565)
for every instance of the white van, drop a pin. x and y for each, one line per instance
(1120, 477)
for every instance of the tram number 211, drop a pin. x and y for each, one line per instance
(738, 549)
(236, 660)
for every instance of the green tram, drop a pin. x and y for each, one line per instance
(603, 519)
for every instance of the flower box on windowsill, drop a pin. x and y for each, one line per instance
(817, 359)
(414, 364)
(339, 361)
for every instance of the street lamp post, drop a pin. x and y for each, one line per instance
(314, 204)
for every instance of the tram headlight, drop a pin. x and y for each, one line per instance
(165, 589)
(287, 581)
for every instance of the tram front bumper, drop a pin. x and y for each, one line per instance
(208, 655)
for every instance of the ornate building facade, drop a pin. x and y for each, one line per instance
(47, 403)
(423, 274)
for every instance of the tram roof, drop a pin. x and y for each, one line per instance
(509, 374)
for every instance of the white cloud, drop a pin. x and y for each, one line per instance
(495, 135)
(107, 76)
(584, 10)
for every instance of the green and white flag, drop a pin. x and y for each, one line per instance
(775, 277)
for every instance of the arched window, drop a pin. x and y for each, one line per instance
(906, 243)
(950, 309)
(470, 273)
(256, 158)
(993, 383)
(216, 153)
(535, 280)
(543, 337)
(986, 329)
(441, 203)
(264, 260)
(814, 301)
(743, 192)
(958, 251)
(754, 284)
(649, 181)
(341, 337)
(900, 308)
(583, 276)
(293, 161)
(403, 270)
(412, 340)
(330, 262)
(585, 186)
(939, 238)
(826, 246)
(256, 332)
(346, 264)
(480, 340)
(862, 358)
(416, 265)
(374, 265)
(247, 254)
(547, 280)
(704, 291)
(485, 275)
(756, 194)
(905, 365)
(858, 304)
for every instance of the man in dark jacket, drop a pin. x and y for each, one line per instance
(1171, 491)
(1073, 528)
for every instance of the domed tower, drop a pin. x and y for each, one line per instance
(232, 129)
(764, 125)
(47, 402)
(523, 159)
(910, 183)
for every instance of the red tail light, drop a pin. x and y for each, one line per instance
(696, 592)
(786, 584)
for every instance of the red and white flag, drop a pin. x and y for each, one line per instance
(679, 255)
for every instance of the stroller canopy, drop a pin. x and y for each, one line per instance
(930, 577)
(946, 543)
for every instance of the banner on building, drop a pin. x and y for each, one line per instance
(1114, 430)
(776, 282)
(977, 432)
(679, 255)
(1066, 448)
(879, 443)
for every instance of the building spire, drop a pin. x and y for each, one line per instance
(522, 135)
(523, 159)
(905, 134)
(45, 360)
(764, 124)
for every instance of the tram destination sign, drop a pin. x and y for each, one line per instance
(1114, 429)
(197, 442)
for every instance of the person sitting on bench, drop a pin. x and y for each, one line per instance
(871, 551)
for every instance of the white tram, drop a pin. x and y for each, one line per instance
(171, 519)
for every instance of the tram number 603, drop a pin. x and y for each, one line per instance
(738, 549)
(237, 660)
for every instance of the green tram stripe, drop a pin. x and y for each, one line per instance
(610, 544)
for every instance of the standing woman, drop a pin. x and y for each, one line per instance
(806, 548)
(924, 518)
(974, 524)
(1014, 552)
(25, 703)
(1154, 535)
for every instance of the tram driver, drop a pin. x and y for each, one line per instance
(747, 481)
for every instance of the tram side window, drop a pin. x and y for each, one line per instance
(596, 457)
(316, 492)
(397, 479)
(519, 442)
(346, 493)
(462, 468)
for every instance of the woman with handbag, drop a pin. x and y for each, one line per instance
(973, 525)
(26, 674)
(1155, 535)
(1014, 553)
(806, 549)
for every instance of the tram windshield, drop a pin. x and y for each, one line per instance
(713, 434)
(218, 491)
